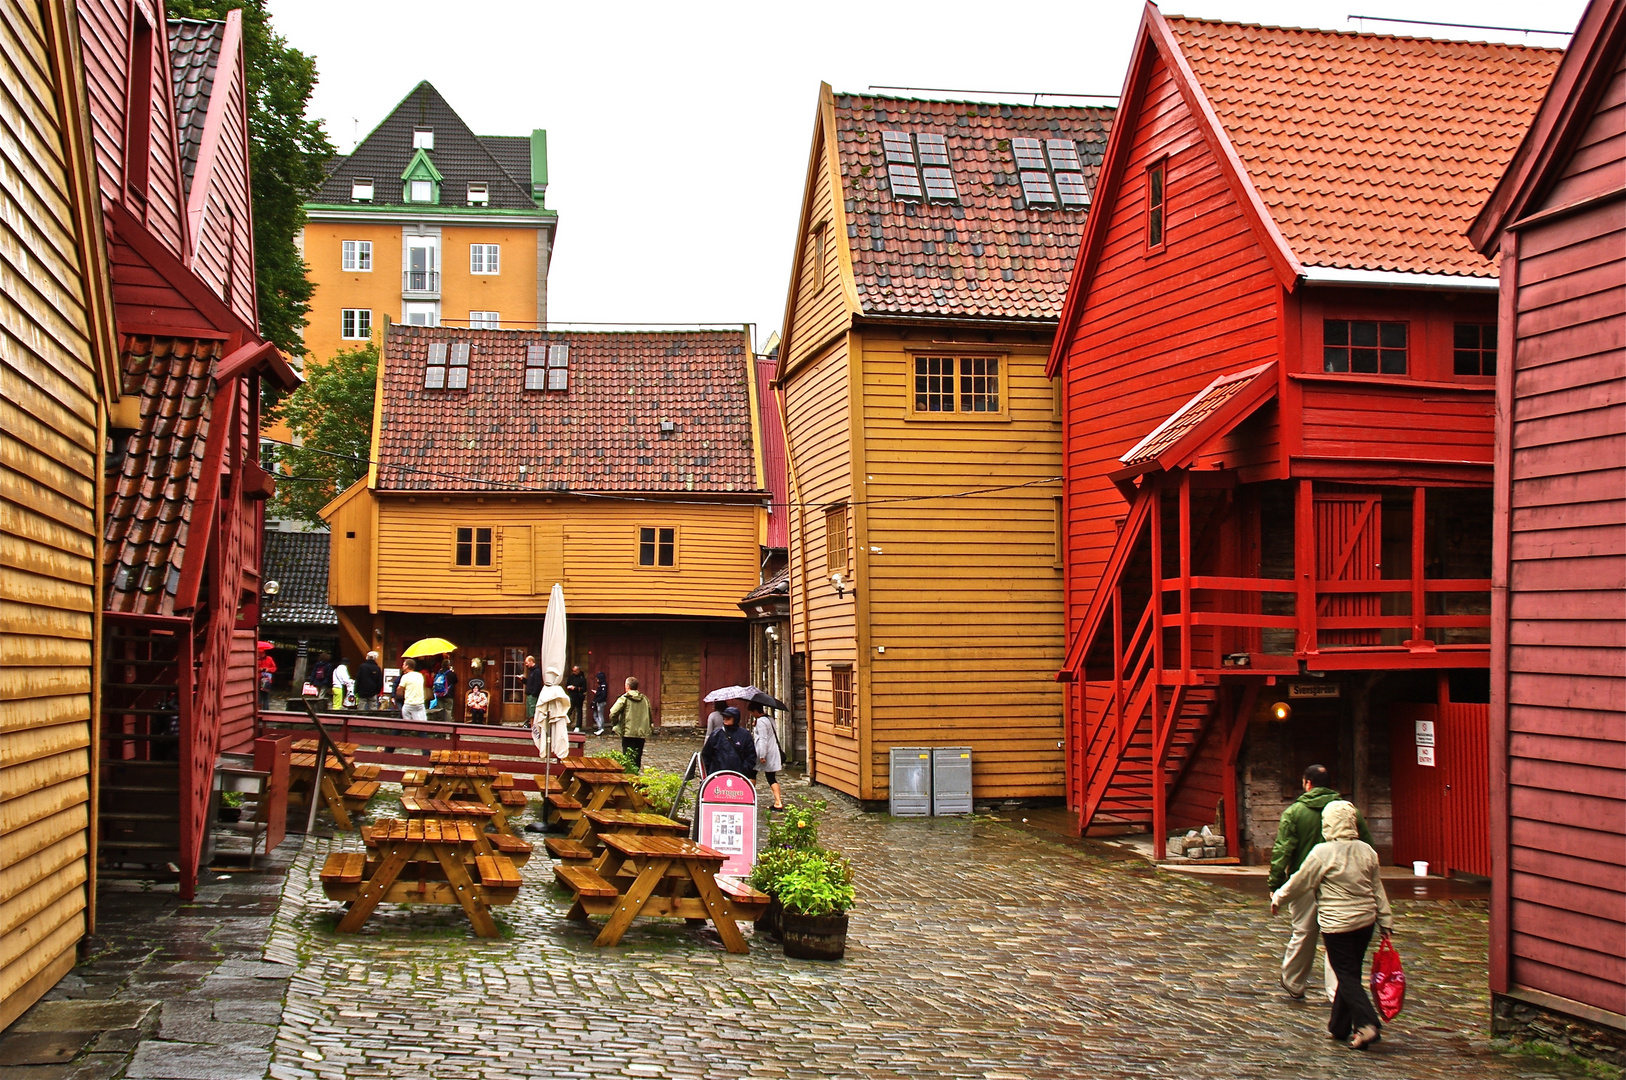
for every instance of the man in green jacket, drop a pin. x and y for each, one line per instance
(631, 716)
(1299, 831)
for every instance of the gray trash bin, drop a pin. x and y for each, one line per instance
(911, 782)
(951, 780)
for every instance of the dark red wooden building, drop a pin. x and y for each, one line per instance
(1558, 623)
(185, 493)
(1278, 362)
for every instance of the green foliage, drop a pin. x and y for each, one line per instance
(231, 798)
(624, 757)
(331, 416)
(820, 883)
(660, 788)
(797, 826)
(288, 156)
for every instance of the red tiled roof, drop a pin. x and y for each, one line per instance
(989, 255)
(151, 501)
(602, 434)
(1371, 152)
(1192, 417)
(775, 468)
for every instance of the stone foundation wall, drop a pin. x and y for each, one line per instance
(1522, 1021)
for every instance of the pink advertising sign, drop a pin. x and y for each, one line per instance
(728, 820)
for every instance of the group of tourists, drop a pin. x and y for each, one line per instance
(1325, 869)
(733, 747)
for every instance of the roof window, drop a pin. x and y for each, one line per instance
(448, 366)
(547, 367)
(911, 157)
(479, 194)
(361, 189)
(1048, 167)
(423, 138)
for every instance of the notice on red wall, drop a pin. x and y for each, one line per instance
(728, 820)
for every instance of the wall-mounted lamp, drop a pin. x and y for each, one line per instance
(771, 633)
(840, 581)
(271, 588)
(1281, 711)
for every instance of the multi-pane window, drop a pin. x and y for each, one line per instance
(479, 194)
(1154, 204)
(1047, 167)
(1360, 347)
(657, 546)
(484, 320)
(448, 366)
(356, 324)
(905, 168)
(547, 367)
(483, 258)
(513, 677)
(950, 384)
(835, 540)
(361, 189)
(1474, 348)
(420, 191)
(841, 696)
(357, 255)
(473, 547)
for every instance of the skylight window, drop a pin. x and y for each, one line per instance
(536, 367)
(423, 138)
(457, 376)
(1048, 168)
(909, 157)
(559, 367)
(434, 373)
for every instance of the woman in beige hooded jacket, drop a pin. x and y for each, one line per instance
(1343, 872)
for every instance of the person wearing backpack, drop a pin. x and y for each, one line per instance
(444, 688)
(632, 717)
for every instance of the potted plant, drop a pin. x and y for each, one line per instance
(814, 896)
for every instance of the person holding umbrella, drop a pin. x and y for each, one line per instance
(769, 759)
(730, 748)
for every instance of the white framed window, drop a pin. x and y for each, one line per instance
(361, 189)
(421, 191)
(479, 194)
(483, 258)
(358, 255)
(484, 320)
(420, 314)
(423, 138)
(356, 324)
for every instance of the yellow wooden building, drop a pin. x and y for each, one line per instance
(624, 466)
(933, 249)
(58, 371)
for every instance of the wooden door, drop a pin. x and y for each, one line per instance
(1441, 811)
(1349, 547)
(725, 661)
(517, 561)
(620, 654)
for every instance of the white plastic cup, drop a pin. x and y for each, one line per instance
(1419, 869)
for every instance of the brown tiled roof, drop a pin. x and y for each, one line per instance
(774, 587)
(601, 435)
(150, 499)
(989, 255)
(1371, 152)
(1189, 418)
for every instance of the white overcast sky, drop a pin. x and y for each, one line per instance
(678, 133)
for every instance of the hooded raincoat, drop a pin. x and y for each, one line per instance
(1343, 873)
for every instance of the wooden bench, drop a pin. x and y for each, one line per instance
(414, 778)
(594, 895)
(499, 879)
(747, 902)
(563, 802)
(344, 868)
(569, 850)
(358, 794)
(510, 846)
(513, 798)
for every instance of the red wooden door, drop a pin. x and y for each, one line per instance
(724, 661)
(1442, 811)
(619, 655)
(1349, 547)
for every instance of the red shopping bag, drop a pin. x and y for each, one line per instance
(1388, 980)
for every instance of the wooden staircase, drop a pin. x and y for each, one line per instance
(138, 811)
(1119, 797)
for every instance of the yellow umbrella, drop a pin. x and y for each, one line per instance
(429, 646)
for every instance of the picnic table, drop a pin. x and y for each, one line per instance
(343, 785)
(659, 876)
(467, 773)
(421, 861)
(586, 849)
(588, 790)
(477, 814)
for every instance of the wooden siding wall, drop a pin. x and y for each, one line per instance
(1565, 640)
(49, 463)
(589, 547)
(105, 43)
(823, 626)
(240, 695)
(963, 593)
(350, 549)
(821, 303)
(1352, 417)
(223, 249)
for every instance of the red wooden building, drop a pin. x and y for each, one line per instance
(1558, 625)
(1277, 359)
(167, 103)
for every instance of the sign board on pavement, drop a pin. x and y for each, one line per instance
(728, 820)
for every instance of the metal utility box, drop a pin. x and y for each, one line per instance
(911, 781)
(951, 780)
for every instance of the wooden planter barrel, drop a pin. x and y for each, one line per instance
(813, 937)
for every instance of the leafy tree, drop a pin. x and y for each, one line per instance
(288, 155)
(331, 416)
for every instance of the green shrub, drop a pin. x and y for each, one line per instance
(819, 884)
(659, 788)
(776, 866)
(624, 757)
(797, 826)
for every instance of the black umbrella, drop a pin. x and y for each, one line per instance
(767, 701)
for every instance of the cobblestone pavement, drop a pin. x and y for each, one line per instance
(978, 949)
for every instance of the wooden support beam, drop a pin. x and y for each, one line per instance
(1419, 531)
(1185, 575)
(1304, 564)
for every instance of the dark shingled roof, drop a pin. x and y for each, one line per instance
(989, 255)
(194, 53)
(603, 434)
(297, 562)
(154, 492)
(773, 588)
(513, 153)
(459, 155)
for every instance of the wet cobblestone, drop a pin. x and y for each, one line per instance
(978, 949)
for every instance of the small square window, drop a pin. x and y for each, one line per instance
(361, 190)
(979, 384)
(423, 138)
(657, 546)
(842, 710)
(357, 255)
(1360, 347)
(483, 258)
(472, 547)
(1037, 189)
(1474, 348)
(421, 191)
(484, 320)
(934, 384)
(479, 194)
(356, 324)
